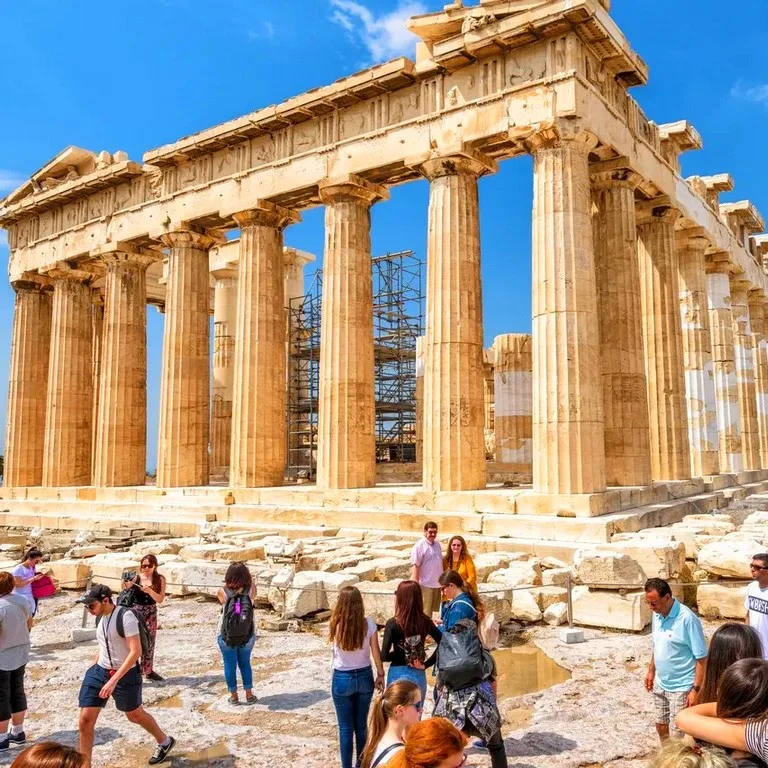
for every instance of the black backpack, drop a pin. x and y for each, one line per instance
(143, 631)
(237, 619)
(460, 661)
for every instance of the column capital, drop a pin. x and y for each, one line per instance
(122, 252)
(718, 266)
(61, 270)
(553, 136)
(692, 237)
(757, 298)
(468, 162)
(179, 238)
(613, 173)
(293, 257)
(267, 215)
(225, 273)
(351, 187)
(740, 284)
(31, 281)
(658, 209)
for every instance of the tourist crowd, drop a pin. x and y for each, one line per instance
(715, 697)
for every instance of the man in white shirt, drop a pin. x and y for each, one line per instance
(756, 601)
(116, 673)
(427, 566)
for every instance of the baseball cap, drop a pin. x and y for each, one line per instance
(95, 594)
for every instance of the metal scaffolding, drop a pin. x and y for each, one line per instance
(398, 320)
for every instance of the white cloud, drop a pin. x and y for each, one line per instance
(758, 94)
(267, 32)
(385, 36)
(10, 180)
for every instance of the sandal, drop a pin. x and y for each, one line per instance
(250, 700)
(233, 698)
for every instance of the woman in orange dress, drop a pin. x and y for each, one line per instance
(458, 559)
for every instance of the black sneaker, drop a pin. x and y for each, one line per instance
(154, 676)
(162, 752)
(19, 738)
(4, 744)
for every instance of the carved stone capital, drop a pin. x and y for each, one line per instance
(613, 173)
(757, 298)
(267, 215)
(658, 209)
(32, 281)
(691, 237)
(739, 284)
(561, 135)
(224, 274)
(189, 238)
(61, 270)
(718, 263)
(113, 255)
(465, 162)
(351, 188)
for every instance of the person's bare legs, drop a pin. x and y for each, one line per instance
(663, 730)
(141, 717)
(87, 728)
(17, 719)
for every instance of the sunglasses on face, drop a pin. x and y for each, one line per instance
(144, 566)
(418, 706)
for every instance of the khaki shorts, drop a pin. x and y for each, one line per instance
(431, 597)
(668, 704)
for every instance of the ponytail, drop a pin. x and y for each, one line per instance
(399, 694)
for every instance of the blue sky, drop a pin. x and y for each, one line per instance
(135, 75)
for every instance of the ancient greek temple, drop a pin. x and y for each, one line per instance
(647, 362)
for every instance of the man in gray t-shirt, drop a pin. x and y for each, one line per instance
(116, 673)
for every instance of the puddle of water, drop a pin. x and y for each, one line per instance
(173, 702)
(526, 669)
(204, 756)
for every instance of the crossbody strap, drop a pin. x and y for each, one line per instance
(388, 750)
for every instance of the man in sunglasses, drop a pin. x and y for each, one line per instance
(115, 674)
(756, 601)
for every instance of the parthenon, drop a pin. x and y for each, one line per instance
(645, 374)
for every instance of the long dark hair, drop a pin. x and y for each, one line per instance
(238, 577)
(730, 643)
(743, 691)
(31, 553)
(453, 577)
(157, 579)
(409, 609)
(463, 555)
(348, 627)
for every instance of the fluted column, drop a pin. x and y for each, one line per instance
(757, 316)
(68, 435)
(182, 446)
(454, 411)
(663, 342)
(346, 450)
(625, 395)
(726, 388)
(419, 394)
(223, 382)
(27, 385)
(489, 404)
(97, 319)
(568, 429)
(745, 373)
(697, 355)
(513, 422)
(258, 404)
(121, 433)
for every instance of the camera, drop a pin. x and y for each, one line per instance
(129, 576)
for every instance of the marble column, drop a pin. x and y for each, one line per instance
(68, 435)
(121, 431)
(724, 366)
(697, 355)
(489, 405)
(625, 395)
(346, 450)
(745, 373)
(97, 335)
(259, 402)
(454, 410)
(182, 449)
(223, 381)
(568, 428)
(28, 382)
(514, 400)
(419, 399)
(758, 304)
(663, 340)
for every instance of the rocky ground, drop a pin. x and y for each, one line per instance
(601, 716)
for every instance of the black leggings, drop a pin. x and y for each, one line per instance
(12, 696)
(496, 748)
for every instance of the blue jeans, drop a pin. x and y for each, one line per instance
(418, 676)
(234, 658)
(352, 692)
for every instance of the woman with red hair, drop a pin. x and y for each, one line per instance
(404, 637)
(433, 743)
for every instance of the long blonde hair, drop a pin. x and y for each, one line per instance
(348, 627)
(677, 754)
(399, 694)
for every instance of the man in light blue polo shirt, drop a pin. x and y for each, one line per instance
(679, 656)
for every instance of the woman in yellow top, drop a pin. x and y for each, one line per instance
(458, 559)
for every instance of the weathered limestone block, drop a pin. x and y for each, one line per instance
(556, 614)
(516, 575)
(69, 574)
(216, 551)
(757, 518)
(557, 577)
(657, 558)
(161, 546)
(306, 594)
(729, 558)
(606, 569)
(488, 562)
(196, 577)
(611, 610)
(109, 568)
(721, 600)
(546, 596)
(279, 546)
(379, 599)
(525, 606)
(500, 601)
(513, 406)
(89, 550)
(387, 568)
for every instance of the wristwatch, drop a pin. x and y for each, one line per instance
(696, 688)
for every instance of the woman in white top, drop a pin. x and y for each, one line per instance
(354, 641)
(392, 715)
(25, 573)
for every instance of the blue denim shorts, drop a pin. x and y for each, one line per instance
(127, 694)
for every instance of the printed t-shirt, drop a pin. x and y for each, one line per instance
(678, 641)
(756, 603)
